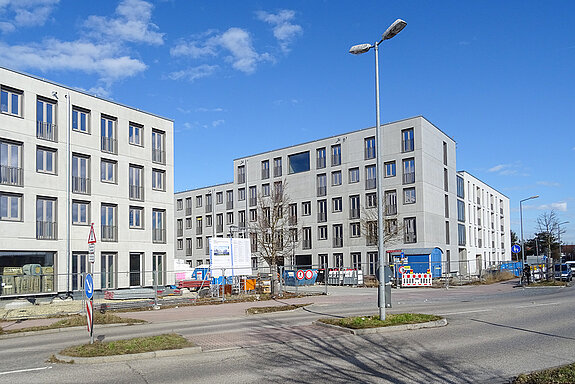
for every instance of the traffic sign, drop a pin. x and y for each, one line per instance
(515, 248)
(309, 274)
(92, 236)
(89, 317)
(89, 286)
(300, 274)
(91, 257)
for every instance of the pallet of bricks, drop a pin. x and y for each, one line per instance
(11, 279)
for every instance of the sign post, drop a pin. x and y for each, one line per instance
(89, 289)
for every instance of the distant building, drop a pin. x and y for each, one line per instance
(69, 159)
(332, 187)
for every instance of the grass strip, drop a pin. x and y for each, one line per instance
(129, 346)
(560, 375)
(362, 322)
(277, 308)
(76, 321)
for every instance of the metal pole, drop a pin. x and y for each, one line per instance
(522, 247)
(68, 197)
(379, 180)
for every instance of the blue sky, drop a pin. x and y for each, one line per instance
(243, 77)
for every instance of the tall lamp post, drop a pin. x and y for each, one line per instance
(521, 219)
(559, 235)
(393, 30)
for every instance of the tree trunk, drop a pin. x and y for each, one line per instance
(273, 274)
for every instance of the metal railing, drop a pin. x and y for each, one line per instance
(136, 192)
(81, 185)
(322, 191)
(322, 217)
(354, 213)
(265, 173)
(109, 233)
(407, 145)
(208, 208)
(370, 183)
(46, 131)
(158, 235)
(158, 156)
(188, 211)
(253, 201)
(108, 144)
(320, 162)
(370, 153)
(338, 242)
(11, 175)
(46, 230)
(229, 204)
(409, 178)
(306, 244)
(390, 209)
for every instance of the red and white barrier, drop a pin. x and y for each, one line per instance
(416, 280)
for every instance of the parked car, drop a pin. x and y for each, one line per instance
(563, 272)
(572, 265)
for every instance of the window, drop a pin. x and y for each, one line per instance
(109, 219)
(265, 169)
(136, 184)
(336, 178)
(354, 175)
(336, 154)
(199, 225)
(11, 172)
(444, 153)
(461, 234)
(292, 214)
(136, 266)
(11, 101)
(460, 211)
(321, 184)
(80, 174)
(277, 166)
(180, 227)
(241, 174)
(208, 220)
(371, 232)
(337, 235)
(336, 204)
(445, 180)
(108, 270)
(253, 214)
(158, 179)
(188, 223)
(158, 226)
(306, 208)
(370, 177)
(230, 218)
(180, 244)
(373, 262)
(199, 201)
(253, 191)
(242, 219)
(208, 203)
(219, 197)
(410, 230)
(10, 207)
(447, 232)
(241, 194)
(371, 200)
(370, 148)
(46, 160)
(80, 212)
(320, 158)
(407, 140)
(199, 243)
(355, 229)
(409, 196)
(338, 260)
(188, 206)
(322, 232)
(391, 226)
(389, 168)
(179, 204)
(220, 222)
(265, 189)
(80, 120)
(137, 217)
(460, 187)
(230, 199)
(390, 202)
(108, 134)
(158, 147)
(322, 211)
(299, 162)
(409, 171)
(306, 238)
(354, 207)
(188, 246)
(446, 206)
(46, 120)
(135, 131)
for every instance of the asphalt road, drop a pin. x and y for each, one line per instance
(494, 333)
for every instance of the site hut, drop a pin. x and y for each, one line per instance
(69, 159)
(331, 183)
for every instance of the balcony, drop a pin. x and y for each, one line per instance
(136, 192)
(322, 217)
(46, 230)
(390, 209)
(11, 175)
(354, 213)
(338, 242)
(159, 235)
(480, 243)
(370, 183)
(253, 201)
(322, 191)
(81, 185)
(46, 131)
(109, 233)
(409, 178)
(109, 145)
(158, 156)
(410, 238)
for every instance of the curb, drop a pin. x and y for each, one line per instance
(57, 330)
(393, 328)
(129, 357)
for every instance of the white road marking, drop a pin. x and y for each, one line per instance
(463, 312)
(536, 305)
(25, 370)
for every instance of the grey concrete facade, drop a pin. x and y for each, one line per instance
(70, 159)
(331, 184)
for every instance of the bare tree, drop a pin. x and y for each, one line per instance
(548, 226)
(393, 229)
(274, 234)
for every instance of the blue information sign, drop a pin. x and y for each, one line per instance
(515, 248)
(89, 286)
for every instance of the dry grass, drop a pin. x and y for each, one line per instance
(277, 308)
(561, 375)
(362, 322)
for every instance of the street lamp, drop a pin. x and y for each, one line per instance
(393, 30)
(521, 219)
(559, 233)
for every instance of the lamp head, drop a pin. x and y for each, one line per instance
(393, 29)
(359, 49)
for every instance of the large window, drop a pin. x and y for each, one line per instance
(407, 142)
(241, 174)
(409, 196)
(410, 230)
(265, 169)
(80, 212)
(336, 178)
(371, 200)
(80, 120)
(354, 207)
(337, 235)
(46, 227)
(109, 222)
(322, 211)
(370, 148)
(460, 187)
(322, 184)
(46, 160)
(390, 202)
(336, 154)
(389, 168)
(11, 101)
(108, 171)
(354, 175)
(136, 134)
(11, 172)
(108, 270)
(158, 147)
(10, 206)
(135, 181)
(370, 177)
(409, 171)
(336, 204)
(460, 211)
(320, 158)
(108, 134)
(136, 217)
(306, 208)
(46, 120)
(158, 226)
(277, 166)
(298, 162)
(158, 179)
(80, 174)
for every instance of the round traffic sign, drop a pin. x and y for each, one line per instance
(300, 274)
(401, 270)
(515, 248)
(309, 274)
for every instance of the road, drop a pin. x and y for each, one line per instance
(495, 332)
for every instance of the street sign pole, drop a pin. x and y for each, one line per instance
(89, 290)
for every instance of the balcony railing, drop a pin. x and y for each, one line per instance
(229, 205)
(208, 208)
(354, 213)
(265, 173)
(390, 209)
(109, 144)
(158, 235)
(80, 185)
(136, 192)
(46, 230)
(322, 217)
(46, 131)
(410, 238)
(11, 175)
(188, 251)
(158, 156)
(320, 162)
(370, 183)
(407, 145)
(371, 240)
(336, 160)
(199, 230)
(253, 201)
(219, 228)
(180, 232)
(322, 191)
(409, 178)
(109, 233)
(338, 242)
(241, 178)
(306, 244)
(293, 220)
(480, 243)
(370, 153)
(188, 211)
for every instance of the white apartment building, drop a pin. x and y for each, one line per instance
(331, 183)
(67, 160)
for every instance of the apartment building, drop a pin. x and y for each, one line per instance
(331, 184)
(67, 160)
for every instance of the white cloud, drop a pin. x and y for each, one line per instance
(243, 56)
(24, 13)
(215, 123)
(284, 31)
(559, 206)
(194, 73)
(549, 183)
(132, 23)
